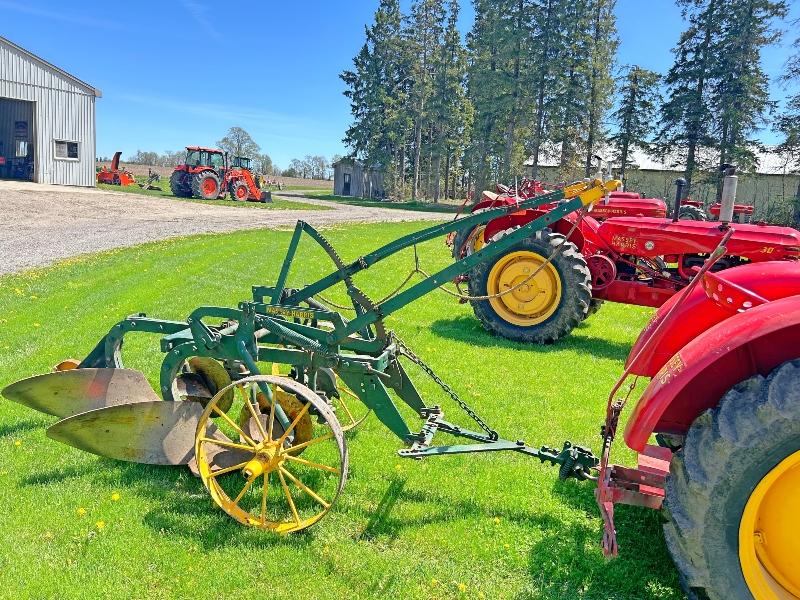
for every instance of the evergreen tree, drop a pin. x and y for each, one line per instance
(686, 118)
(635, 115)
(788, 122)
(740, 93)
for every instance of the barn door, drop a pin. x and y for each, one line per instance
(345, 184)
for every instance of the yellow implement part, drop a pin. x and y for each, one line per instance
(598, 191)
(531, 303)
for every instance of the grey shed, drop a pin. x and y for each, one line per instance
(47, 121)
(352, 178)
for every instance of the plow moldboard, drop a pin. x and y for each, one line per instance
(156, 433)
(67, 393)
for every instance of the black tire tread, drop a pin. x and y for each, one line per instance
(747, 421)
(576, 291)
(177, 184)
(198, 178)
(688, 212)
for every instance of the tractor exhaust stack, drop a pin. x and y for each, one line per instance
(680, 186)
(728, 199)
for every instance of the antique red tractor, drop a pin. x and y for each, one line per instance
(207, 174)
(114, 175)
(631, 260)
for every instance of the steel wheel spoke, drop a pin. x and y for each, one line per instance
(256, 418)
(234, 425)
(299, 416)
(228, 469)
(289, 497)
(244, 491)
(309, 463)
(264, 491)
(311, 442)
(303, 487)
(227, 444)
(346, 409)
(271, 415)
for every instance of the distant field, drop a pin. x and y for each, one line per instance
(296, 183)
(446, 207)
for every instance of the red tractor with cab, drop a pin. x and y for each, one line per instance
(541, 289)
(207, 174)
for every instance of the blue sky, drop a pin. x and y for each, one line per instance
(177, 72)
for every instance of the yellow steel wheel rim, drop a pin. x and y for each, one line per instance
(271, 487)
(531, 303)
(769, 534)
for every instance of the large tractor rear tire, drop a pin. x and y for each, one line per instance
(544, 309)
(689, 212)
(733, 495)
(206, 185)
(179, 185)
(594, 306)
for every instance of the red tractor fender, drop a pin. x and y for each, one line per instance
(699, 311)
(698, 375)
(563, 226)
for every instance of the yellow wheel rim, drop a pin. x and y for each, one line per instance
(769, 534)
(531, 303)
(476, 240)
(270, 486)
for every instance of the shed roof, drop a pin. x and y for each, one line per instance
(42, 62)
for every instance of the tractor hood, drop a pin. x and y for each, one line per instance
(651, 237)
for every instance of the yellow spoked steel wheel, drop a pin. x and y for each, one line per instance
(533, 301)
(261, 481)
(769, 534)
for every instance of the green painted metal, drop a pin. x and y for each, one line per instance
(290, 327)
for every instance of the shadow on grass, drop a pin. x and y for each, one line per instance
(468, 329)
(51, 477)
(19, 427)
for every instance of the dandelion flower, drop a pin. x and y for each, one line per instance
(37, 324)
(115, 496)
(100, 525)
(434, 581)
(497, 520)
(481, 595)
(18, 443)
(462, 588)
(81, 511)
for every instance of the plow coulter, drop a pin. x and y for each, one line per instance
(256, 399)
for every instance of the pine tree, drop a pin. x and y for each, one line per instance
(686, 117)
(740, 93)
(377, 88)
(788, 122)
(638, 103)
(601, 83)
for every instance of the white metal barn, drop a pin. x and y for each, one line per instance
(47, 121)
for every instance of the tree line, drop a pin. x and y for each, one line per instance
(539, 79)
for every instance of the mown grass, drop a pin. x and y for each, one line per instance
(483, 526)
(440, 207)
(163, 191)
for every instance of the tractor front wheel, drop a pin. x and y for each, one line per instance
(239, 191)
(733, 524)
(529, 299)
(205, 185)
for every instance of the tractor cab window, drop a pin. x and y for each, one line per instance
(217, 160)
(194, 158)
(241, 162)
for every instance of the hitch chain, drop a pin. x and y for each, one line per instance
(408, 353)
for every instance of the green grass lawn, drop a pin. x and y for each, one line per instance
(165, 192)
(445, 207)
(489, 526)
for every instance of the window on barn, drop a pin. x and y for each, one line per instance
(66, 150)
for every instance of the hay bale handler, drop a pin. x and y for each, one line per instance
(257, 400)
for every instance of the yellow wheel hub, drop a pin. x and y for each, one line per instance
(769, 534)
(534, 299)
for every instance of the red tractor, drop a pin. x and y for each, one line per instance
(723, 402)
(541, 289)
(207, 174)
(114, 175)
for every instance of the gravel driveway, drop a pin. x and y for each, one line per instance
(42, 224)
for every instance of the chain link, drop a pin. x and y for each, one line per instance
(408, 353)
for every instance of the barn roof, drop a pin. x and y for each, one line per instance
(42, 62)
(769, 162)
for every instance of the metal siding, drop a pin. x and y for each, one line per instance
(64, 110)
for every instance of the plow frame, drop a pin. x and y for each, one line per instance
(275, 328)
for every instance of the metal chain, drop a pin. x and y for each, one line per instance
(408, 353)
